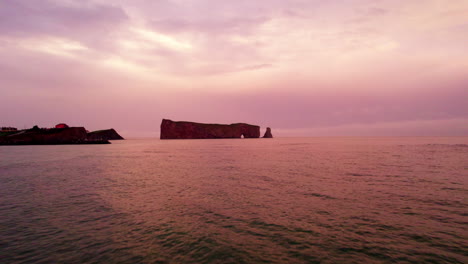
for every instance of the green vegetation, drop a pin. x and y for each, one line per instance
(6, 133)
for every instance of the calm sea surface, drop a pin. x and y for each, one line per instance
(282, 200)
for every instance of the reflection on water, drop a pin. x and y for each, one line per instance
(301, 200)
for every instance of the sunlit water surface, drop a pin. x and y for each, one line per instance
(284, 200)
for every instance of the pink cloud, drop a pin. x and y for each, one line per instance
(22, 17)
(296, 66)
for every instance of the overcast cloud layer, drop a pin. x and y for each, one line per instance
(302, 67)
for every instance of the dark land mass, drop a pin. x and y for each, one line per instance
(191, 130)
(57, 136)
(107, 134)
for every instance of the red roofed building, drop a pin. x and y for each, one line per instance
(61, 125)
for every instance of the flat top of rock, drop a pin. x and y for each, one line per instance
(210, 124)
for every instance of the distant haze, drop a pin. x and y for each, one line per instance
(302, 67)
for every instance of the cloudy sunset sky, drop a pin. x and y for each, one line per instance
(302, 67)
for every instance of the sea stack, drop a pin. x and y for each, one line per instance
(268, 133)
(191, 130)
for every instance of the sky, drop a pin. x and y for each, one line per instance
(301, 67)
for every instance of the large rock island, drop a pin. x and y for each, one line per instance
(191, 130)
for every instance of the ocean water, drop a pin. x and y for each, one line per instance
(282, 200)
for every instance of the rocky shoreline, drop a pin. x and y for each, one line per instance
(58, 136)
(62, 134)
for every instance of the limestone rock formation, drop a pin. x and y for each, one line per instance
(268, 133)
(108, 134)
(191, 130)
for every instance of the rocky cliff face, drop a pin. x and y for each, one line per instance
(54, 136)
(268, 133)
(108, 134)
(191, 130)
